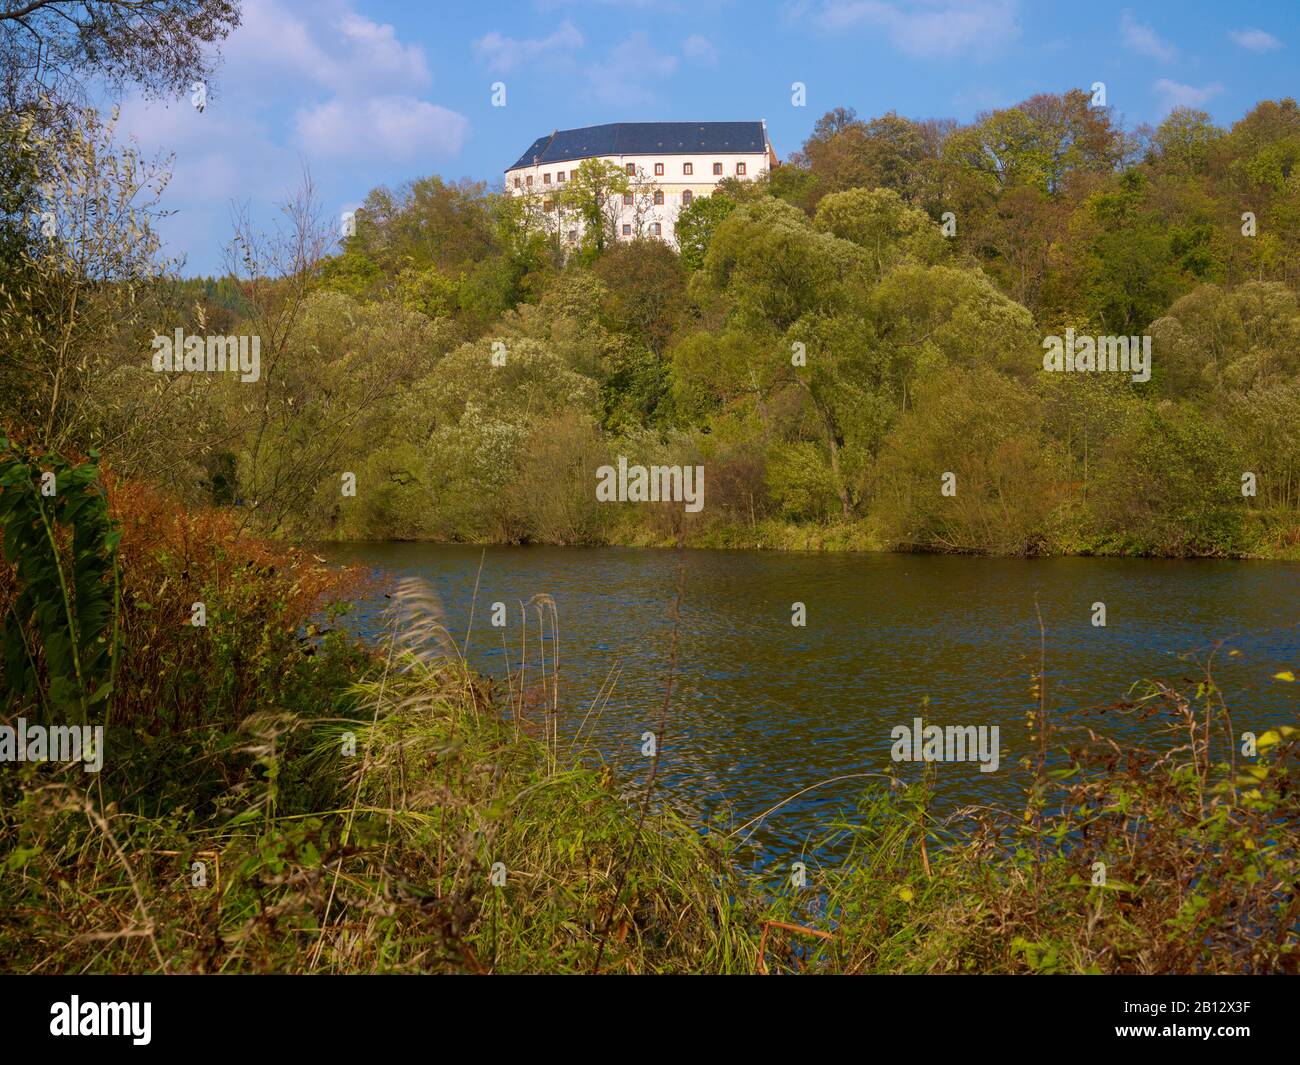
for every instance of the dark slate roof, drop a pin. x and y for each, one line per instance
(645, 138)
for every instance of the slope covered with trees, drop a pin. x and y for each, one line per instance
(830, 343)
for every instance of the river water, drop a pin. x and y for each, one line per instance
(762, 708)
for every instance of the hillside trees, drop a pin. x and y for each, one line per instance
(81, 294)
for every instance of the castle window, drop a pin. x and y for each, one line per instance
(631, 169)
(688, 168)
(516, 182)
(740, 169)
(560, 177)
(573, 234)
(659, 198)
(627, 230)
(687, 197)
(548, 205)
(657, 230)
(627, 199)
(717, 168)
(529, 181)
(659, 169)
(546, 179)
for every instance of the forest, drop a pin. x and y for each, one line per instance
(832, 344)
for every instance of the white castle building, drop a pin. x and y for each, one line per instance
(668, 164)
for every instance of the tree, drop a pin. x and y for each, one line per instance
(888, 152)
(696, 225)
(1127, 269)
(595, 191)
(1169, 484)
(1216, 339)
(645, 292)
(278, 271)
(59, 47)
(80, 305)
(774, 266)
(984, 430)
(332, 385)
(880, 222)
(1044, 142)
(1182, 144)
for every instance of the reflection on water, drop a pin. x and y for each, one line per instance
(762, 709)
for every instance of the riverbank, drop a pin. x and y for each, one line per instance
(420, 821)
(1265, 536)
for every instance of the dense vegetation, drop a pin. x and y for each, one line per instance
(829, 344)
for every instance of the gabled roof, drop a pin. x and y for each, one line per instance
(646, 138)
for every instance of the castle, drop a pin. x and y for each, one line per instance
(667, 164)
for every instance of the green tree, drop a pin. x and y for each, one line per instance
(1169, 484)
(645, 291)
(1184, 142)
(696, 225)
(595, 192)
(880, 222)
(775, 267)
(984, 430)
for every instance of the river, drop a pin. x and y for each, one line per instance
(762, 708)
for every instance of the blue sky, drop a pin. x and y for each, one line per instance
(371, 92)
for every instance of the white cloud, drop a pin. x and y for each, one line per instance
(1172, 94)
(203, 167)
(344, 86)
(303, 83)
(699, 49)
(929, 28)
(624, 77)
(1144, 40)
(503, 54)
(336, 49)
(386, 128)
(1256, 40)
